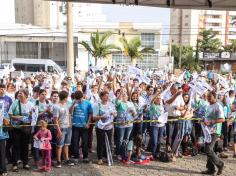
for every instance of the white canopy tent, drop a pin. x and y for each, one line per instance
(181, 4)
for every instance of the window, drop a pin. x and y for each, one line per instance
(35, 67)
(186, 24)
(19, 67)
(50, 69)
(186, 16)
(148, 40)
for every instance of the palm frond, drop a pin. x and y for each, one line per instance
(105, 37)
(86, 46)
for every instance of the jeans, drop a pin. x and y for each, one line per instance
(156, 136)
(90, 136)
(20, 146)
(9, 148)
(225, 133)
(3, 168)
(66, 137)
(80, 132)
(212, 159)
(123, 134)
(101, 145)
(172, 129)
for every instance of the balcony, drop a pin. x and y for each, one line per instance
(214, 20)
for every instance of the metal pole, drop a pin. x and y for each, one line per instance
(70, 42)
(170, 55)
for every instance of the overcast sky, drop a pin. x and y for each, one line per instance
(116, 13)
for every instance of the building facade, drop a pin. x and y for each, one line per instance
(186, 25)
(52, 14)
(149, 34)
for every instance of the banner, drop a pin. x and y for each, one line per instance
(134, 70)
(35, 113)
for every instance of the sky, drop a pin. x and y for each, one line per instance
(116, 13)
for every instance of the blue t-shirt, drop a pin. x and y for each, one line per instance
(81, 113)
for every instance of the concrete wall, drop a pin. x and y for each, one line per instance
(24, 10)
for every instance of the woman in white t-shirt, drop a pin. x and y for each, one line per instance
(20, 113)
(104, 117)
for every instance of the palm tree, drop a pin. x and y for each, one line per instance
(133, 49)
(99, 48)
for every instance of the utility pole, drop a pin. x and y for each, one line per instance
(70, 41)
(180, 55)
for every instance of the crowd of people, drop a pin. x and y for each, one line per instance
(54, 117)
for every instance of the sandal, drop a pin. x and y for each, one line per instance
(26, 167)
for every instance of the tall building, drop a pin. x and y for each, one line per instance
(53, 14)
(186, 25)
(7, 7)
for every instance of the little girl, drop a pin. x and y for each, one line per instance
(43, 137)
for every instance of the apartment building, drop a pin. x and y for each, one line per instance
(186, 25)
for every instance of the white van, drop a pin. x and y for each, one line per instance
(35, 65)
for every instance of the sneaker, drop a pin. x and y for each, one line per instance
(128, 162)
(119, 157)
(4, 174)
(15, 169)
(86, 160)
(42, 168)
(58, 165)
(76, 161)
(220, 170)
(69, 163)
(100, 162)
(26, 167)
(47, 169)
(222, 155)
(226, 149)
(208, 172)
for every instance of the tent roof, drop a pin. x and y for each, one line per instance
(181, 4)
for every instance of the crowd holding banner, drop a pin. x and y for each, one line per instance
(54, 116)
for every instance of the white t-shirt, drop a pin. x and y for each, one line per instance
(170, 108)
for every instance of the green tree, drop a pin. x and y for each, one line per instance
(231, 47)
(188, 59)
(99, 48)
(207, 41)
(132, 49)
